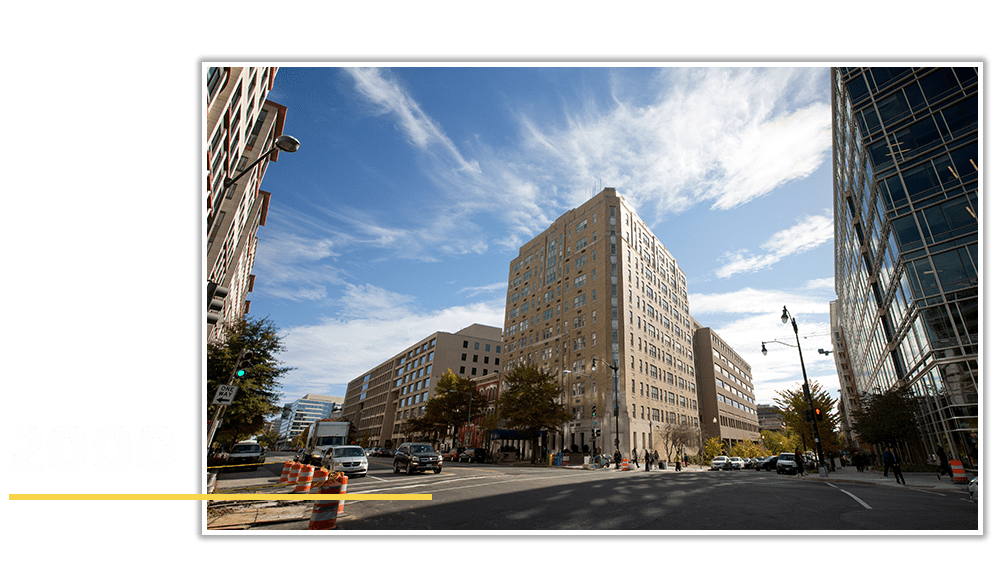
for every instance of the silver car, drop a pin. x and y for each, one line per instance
(347, 459)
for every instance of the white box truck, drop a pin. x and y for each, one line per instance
(323, 435)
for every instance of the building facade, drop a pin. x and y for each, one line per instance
(906, 201)
(241, 125)
(725, 390)
(380, 401)
(597, 289)
(848, 404)
(297, 416)
(770, 418)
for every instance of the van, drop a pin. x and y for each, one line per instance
(246, 453)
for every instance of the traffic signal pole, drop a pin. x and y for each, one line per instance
(242, 365)
(812, 409)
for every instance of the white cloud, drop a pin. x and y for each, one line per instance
(809, 233)
(375, 325)
(388, 96)
(724, 136)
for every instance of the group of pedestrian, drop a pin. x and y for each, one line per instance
(860, 461)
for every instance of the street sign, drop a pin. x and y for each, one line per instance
(225, 395)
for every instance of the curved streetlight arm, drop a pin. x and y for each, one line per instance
(283, 142)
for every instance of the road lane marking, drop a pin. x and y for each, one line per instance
(854, 497)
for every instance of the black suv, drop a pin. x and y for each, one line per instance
(416, 457)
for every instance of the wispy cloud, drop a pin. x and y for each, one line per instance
(724, 136)
(809, 233)
(386, 94)
(374, 325)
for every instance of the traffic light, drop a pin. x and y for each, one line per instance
(216, 299)
(819, 414)
(593, 410)
(244, 363)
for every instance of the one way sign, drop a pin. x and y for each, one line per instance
(225, 395)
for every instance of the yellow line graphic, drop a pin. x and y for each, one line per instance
(212, 497)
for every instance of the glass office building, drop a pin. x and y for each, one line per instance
(906, 186)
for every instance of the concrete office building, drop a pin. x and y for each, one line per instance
(240, 126)
(598, 286)
(380, 401)
(906, 202)
(725, 389)
(770, 418)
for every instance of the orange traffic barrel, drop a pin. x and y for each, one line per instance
(293, 473)
(325, 512)
(958, 472)
(625, 464)
(285, 470)
(304, 481)
(320, 475)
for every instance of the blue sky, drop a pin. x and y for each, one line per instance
(415, 185)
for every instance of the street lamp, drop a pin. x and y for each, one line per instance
(283, 142)
(593, 367)
(805, 386)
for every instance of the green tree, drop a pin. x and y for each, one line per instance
(258, 395)
(886, 419)
(794, 408)
(455, 402)
(776, 442)
(713, 447)
(530, 403)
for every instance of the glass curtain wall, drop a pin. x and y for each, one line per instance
(906, 180)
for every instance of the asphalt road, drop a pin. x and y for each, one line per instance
(472, 497)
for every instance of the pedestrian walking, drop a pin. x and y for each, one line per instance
(886, 462)
(800, 467)
(656, 458)
(635, 458)
(896, 463)
(647, 457)
(618, 459)
(945, 462)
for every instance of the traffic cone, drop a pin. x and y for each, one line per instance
(304, 480)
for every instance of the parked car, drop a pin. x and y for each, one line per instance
(416, 457)
(767, 463)
(453, 453)
(347, 459)
(785, 463)
(473, 455)
(721, 463)
(244, 453)
(736, 462)
(382, 452)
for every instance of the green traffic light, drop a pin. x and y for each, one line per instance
(241, 373)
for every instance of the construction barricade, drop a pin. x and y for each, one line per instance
(324, 515)
(320, 475)
(285, 470)
(293, 473)
(958, 472)
(625, 464)
(304, 481)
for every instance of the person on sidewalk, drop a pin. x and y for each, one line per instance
(647, 457)
(618, 459)
(635, 459)
(886, 462)
(800, 467)
(896, 463)
(945, 462)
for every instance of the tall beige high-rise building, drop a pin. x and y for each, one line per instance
(241, 125)
(598, 287)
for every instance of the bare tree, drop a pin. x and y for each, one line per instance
(676, 435)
